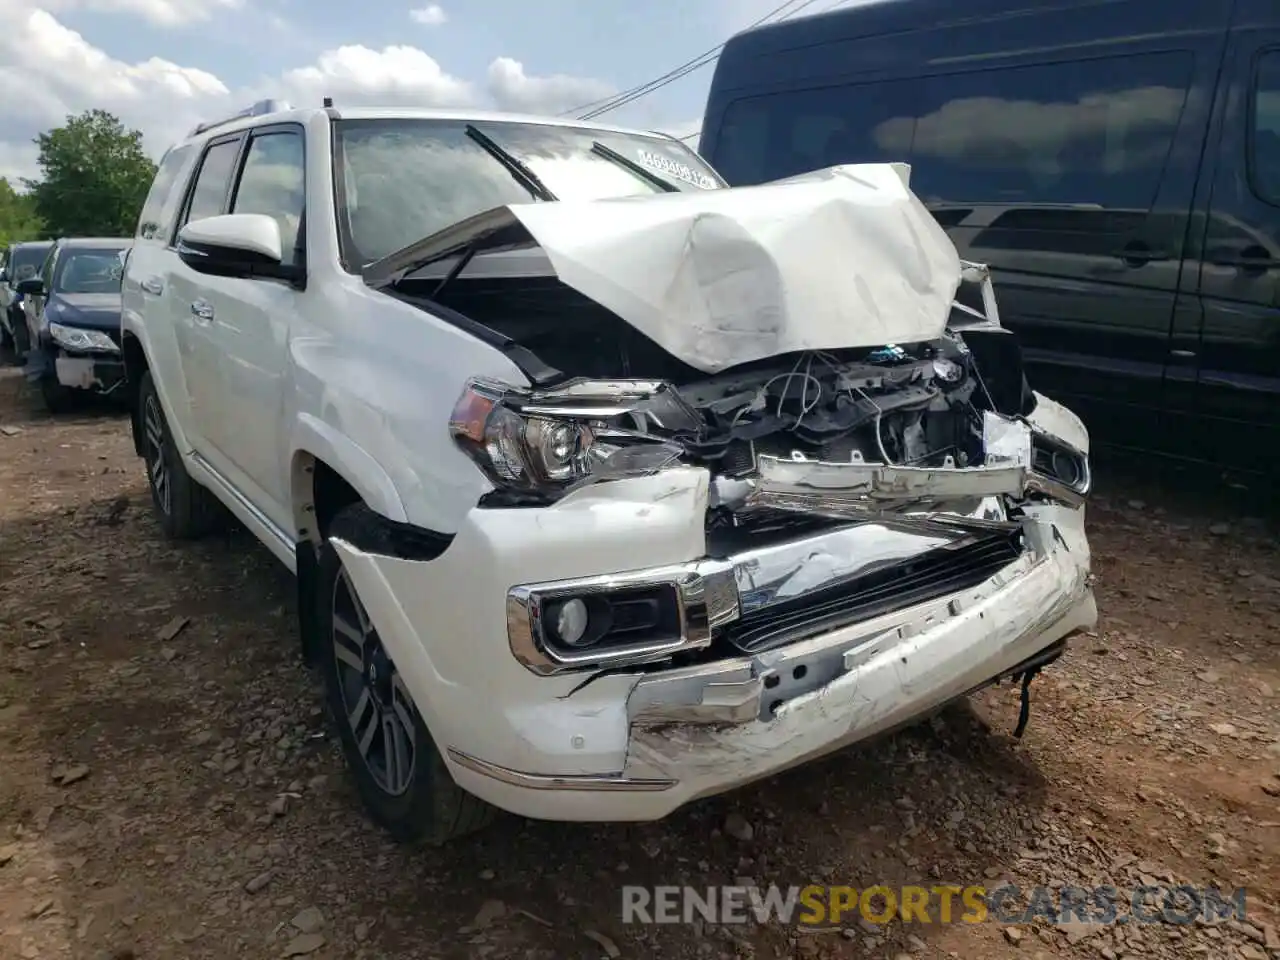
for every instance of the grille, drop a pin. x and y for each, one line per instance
(928, 576)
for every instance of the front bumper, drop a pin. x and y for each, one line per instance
(637, 744)
(96, 372)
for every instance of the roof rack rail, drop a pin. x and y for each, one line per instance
(259, 109)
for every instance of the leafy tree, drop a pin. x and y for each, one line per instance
(18, 219)
(95, 177)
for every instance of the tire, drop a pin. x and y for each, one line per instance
(366, 697)
(57, 398)
(185, 509)
(8, 349)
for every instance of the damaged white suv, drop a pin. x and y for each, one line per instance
(607, 487)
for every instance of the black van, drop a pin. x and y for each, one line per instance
(1116, 162)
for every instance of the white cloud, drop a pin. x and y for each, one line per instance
(48, 72)
(512, 89)
(432, 15)
(164, 13)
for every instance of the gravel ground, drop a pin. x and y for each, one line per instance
(169, 787)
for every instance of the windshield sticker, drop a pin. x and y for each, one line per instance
(673, 168)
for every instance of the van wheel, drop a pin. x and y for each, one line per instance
(8, 349)
(185, 509)
(400, 775)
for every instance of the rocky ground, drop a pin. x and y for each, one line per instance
(169, 788)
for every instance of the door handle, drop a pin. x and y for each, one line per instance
(1253, 257)
(202, 310)
(153, 286)
(1137, 253)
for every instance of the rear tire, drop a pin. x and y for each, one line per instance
(185, 509)
(399, 773)
(8, 349)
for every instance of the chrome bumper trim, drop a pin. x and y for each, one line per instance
(543, 781)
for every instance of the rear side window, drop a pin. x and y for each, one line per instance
(274, 183)
(213, 181)
(161, 206)
(1093, 132)
(1264, 164)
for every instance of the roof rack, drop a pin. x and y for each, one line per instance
(259, 109)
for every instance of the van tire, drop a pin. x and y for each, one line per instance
(423, 805)
(57, 398)
(186, 510)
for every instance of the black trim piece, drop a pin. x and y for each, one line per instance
(539, 373)
(403, 541)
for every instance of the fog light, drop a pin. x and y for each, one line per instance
(571, 621)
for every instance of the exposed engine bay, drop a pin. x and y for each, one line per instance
(953, 404)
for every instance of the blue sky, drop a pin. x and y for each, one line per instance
(162, 64)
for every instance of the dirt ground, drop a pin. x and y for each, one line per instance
(171, 792)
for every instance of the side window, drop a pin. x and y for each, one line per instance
(273, 182)
(160, 208)
(1264, 164)
(1093, 132)
(784, 134)
(46, 268)
(213, 180)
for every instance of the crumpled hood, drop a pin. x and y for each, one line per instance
(841, 257)
(99, 311)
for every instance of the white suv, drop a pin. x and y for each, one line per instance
(607, 487)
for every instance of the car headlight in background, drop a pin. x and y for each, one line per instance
(75, 338)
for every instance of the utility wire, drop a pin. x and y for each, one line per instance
(589, 111)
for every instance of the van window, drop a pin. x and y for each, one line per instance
(783, 134)
(158, 211)
(209, 197)
(1093, 132)
(274, 183)
(1265, 162)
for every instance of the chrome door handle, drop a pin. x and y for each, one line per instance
(202, 310)
(153, 286)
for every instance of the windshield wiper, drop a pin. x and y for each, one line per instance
(515, 166)
(626, 163)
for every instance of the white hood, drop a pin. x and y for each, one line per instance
(842, 257)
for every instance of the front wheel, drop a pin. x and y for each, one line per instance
(401, 777)
(185, 509)
(58, 398)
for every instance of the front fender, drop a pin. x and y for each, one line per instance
(313, 437)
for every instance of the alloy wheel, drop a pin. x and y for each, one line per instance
(379, 710)
(157, 462)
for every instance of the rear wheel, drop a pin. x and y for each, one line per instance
(185, 509)
(8, 349)
(398, 770)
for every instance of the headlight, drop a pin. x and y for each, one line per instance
(75, 338)
(542, 443)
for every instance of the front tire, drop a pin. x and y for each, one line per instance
(58, 398)
(399, 773)
(185, 509)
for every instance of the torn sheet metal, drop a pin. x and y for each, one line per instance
(841, 257)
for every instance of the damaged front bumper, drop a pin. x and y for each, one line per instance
(780, 651)
(97, 372)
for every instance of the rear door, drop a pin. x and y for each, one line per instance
(1236, 416)
(185, 300)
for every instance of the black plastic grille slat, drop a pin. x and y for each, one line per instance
(926, 577)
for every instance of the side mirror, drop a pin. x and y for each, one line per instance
(31, 287)
(4, 275)
(245, 245)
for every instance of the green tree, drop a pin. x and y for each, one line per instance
(18, 219)
(95, 177)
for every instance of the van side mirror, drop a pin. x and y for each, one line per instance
(31, 287)
(244, 245)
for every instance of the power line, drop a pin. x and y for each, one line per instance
(589, 111)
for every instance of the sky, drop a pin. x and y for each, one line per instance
(162, 66)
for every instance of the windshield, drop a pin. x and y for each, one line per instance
(89, 270)
(25, 262)
(402, 180)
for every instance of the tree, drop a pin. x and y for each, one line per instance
(95, 177)
(18, 219)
